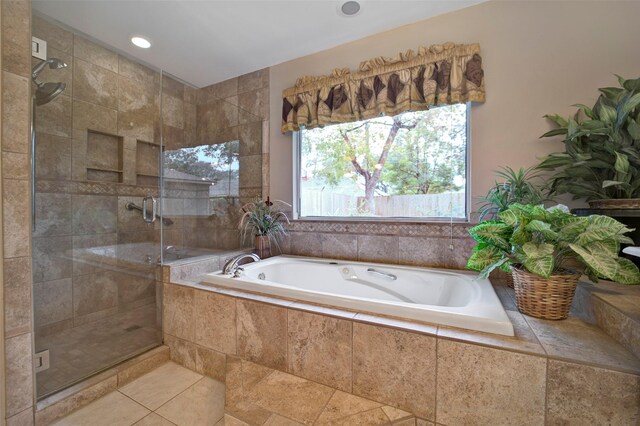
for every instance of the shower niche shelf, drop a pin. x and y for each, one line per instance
(147, 163)
(104, 157)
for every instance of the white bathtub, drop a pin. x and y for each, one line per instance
(431, 295)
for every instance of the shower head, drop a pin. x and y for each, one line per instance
(53, 63)
(46, 92)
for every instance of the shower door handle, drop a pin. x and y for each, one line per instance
(154, 209)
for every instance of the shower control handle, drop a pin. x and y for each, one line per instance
(154, 209)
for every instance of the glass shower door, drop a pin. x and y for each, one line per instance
(96, 238)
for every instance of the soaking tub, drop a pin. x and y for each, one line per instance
(436, 296)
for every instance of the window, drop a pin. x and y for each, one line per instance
(412, 166)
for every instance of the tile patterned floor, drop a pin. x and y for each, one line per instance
(81, 351)
(254, 395)
(168, 395)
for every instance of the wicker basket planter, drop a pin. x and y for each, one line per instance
(547, 298)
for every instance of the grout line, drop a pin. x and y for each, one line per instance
(325, 406)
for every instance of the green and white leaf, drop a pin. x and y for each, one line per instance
(627, 272)
(604, 266)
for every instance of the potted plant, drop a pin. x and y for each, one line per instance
(601, 160)
(521, 187)
(547, 251)
(263, 219)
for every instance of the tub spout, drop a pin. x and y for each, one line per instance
(231, 267)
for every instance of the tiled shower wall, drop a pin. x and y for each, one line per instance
(16, 210)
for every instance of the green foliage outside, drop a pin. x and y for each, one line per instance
(411, 153)
(549, 241)
(211, 162)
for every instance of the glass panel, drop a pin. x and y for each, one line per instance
(206, 175)
(97, 151)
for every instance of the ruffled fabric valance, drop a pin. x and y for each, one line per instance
(412, 81)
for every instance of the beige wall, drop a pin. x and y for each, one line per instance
(538, 57)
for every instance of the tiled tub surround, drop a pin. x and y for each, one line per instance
(437, 245)
(566, 372)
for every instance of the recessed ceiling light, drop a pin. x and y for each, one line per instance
(350, 8)
(141, 42)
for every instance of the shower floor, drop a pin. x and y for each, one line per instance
(79, 352)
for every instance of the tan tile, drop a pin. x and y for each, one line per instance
(56, 117)
(173, 111)
(152, 419)
(15, 165)
(420, 251)
(94, 53)
(201, 404)
(214, 116)
(90, 116)
(221, 90)
(17, 296)
(256, 103)
(16, 21)
(478, 385)
(305, 244)
(182, 351)
(24, 418)
(53, 301)
(342, 405)
(66, 401)
(395, 367)
(53, 157)
(250, 139)
(291, 396)
(378, 248)
(178, 312)
(395, 414)
(276, 420)
(19, 376)
(160, 385)
(53, 215)
(366, 418)
(617, 325)
(581, 395)
(16, 222)
(101, 412)
(573, 339)
(228, 420)
(320, 348)
(136, 71)
(405, 422)
(51, 258)
(190, 94)
(92, 83)
(56, 37)
(215, 322)
(524, 340)
(142, 364)
(237, 400)
(172, 87)
(254, 80)
(338, 246)
(210, 363)
(15, 113)
(95, 292)
(262, 333)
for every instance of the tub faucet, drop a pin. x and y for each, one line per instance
(231, 266)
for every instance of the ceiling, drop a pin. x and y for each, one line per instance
(205, 42)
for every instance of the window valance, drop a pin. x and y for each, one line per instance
(412, 81)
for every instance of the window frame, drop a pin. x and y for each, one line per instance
(297, 141)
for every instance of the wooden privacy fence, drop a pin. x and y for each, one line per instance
(325, 203)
